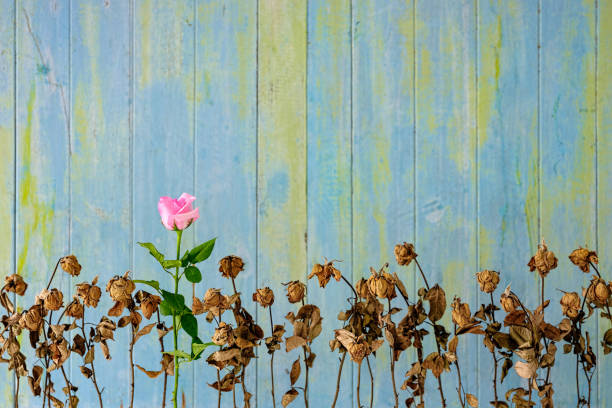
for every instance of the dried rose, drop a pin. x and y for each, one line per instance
(570, 304)
(324, 273)
(231, 266)
(89, 294)
(508, 303)
(120, 288)
(33, 318)
(404, 253)
(362, 288)
(71, 265)
(148, 303)
(223, 335)
(265, 297)
(599, 291)
(106, 329)
(295, 291)
(15, 283)
(487, 280)
(52, 299)
(544, 260)
(461, 313)
(583, 257)
(382, 285)
(75, 309)
(215, 302)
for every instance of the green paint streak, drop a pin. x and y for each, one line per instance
(531, 197)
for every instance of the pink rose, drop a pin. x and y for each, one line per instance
(177, 214)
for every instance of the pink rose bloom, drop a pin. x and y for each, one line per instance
(177, 214)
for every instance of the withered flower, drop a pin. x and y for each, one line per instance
(583, 257)
(295, 291)
(599, 292)
(33, 318)
(148, 303)
(362, 289)
(231, 266)
(106, 329)
(15, 283)
(71, 265)
(508, 303)
(570, 304)
(382, 284)
(544, 260)
(357, 346)
(487, 280)
(52, 299)
(121, 288)
(461, 313)
(265, 297)
(75, 309)
(325, 272)
(404, 253)
(224, 335)
(89, 294)
(215, 302)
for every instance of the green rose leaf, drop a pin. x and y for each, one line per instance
(165, 309)
(201, 252)
(190, 324)
(178, 353)
(185, 259)
(198, 347)
(153, 251)
(171, 264)
(193, 274)
(175, 302)
(152, 283)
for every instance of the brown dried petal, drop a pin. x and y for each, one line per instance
(363, 289)
(461, 313)
(231, 266)
(223, 335)
(71, 265)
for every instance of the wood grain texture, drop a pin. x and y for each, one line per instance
(329, 182)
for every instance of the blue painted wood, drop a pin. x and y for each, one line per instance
(508, 164)
(226, 149)
(446, 194)
(100, 181)
(329, 183)
(383, 156)
(163, 89)
(7, 168)
(43, 148)
(568, 207)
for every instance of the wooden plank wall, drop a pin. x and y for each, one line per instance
(308, 129)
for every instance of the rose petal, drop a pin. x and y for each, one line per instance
(184, 202)
(182, 221)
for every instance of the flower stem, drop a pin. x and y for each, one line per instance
(371, 382)
(338, 380)
(272, 358)
(161, 345)
(179, 235)
(358, 384)
(422, 274)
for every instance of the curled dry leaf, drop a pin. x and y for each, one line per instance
(289, 397)
(295, 371)
(150, 374)
(437, 303)
(471, 400)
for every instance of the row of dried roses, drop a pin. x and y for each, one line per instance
(528, 344)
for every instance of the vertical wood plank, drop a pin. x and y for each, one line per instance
(507, 156)
(383, 152)
(329, 182)
(225, 154)
(604, 170)
(7, 167)
(281, 207)
(568, 192)
(101, 184)
(163, 158)
(43, 148)
(446, 188)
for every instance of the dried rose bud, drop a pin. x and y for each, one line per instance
(583, 257)
(231, 266)
(404, 253)
(106, 329)
(15, 283)
(75, 309)
(148, 303)
(358, 351)
(324, 273)
(52, 299)
(215, 302)
(382, 285)
(89, 294)
(599, 292)
(264, 297)
(461, 313)
(295, 291)
(71, 265)
(223, 335)
(362, 289)
(33, 318)
(508, 303)
(544, 260)
(487, 280)
(570, 304)
(120, 288)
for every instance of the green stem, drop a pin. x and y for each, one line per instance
(179, 235)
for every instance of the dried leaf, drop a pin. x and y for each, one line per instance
(144, 331)
(525, 370)
(293, 342)
(437, 303)
(289, 397)
(150, 374)
(295, 371)
(471, 400)
(452, 345)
